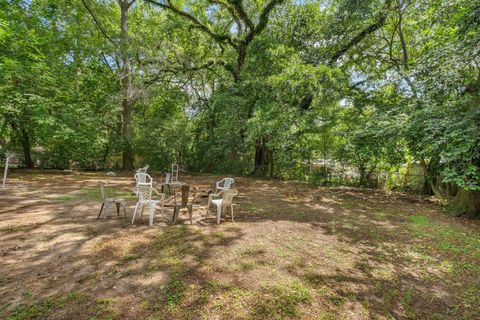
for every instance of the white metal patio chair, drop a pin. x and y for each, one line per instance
(142, 178)
(224, 201)
(224, 184)
(145, 199)
(108, 198)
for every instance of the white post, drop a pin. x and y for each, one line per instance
(4, 185)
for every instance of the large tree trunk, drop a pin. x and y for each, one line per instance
(25, 140)
(429, 178)
(127, 154)
(362, 173)
(465, 202)
(263, 166)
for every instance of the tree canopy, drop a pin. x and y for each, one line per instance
(264, 87)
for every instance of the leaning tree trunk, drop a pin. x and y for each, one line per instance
(127, 154)
(465, 202)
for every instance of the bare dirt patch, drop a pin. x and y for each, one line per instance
(294, 251)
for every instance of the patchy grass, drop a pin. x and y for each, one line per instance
(174, 293)
(447, 238)
(281, 301)
(89, 194)
(43, 308)
(294, 252)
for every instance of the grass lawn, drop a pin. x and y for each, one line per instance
(293, 252)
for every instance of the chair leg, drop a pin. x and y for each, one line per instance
(103, 204)
(231, 211)
(190, 212)
(152, 214)
(135, 212)
(175, 214)
(125, 210)
(118, 208)
(105, 212)
(219, 213)
(208, 205)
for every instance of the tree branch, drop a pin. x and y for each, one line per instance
(237, 5)
(264, 15)
(205, 28)
(97, 22)
(382, 18)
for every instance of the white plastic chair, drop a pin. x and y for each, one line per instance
(224, 184)
(145, 199)
(225, 201)
(107, 199)
(143, 170)
(142, 178)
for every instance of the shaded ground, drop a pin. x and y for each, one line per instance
(293, 252)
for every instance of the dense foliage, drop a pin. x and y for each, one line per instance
(276, 88)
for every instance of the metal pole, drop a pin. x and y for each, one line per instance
(4, 186)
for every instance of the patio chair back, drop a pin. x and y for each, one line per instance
(143, 170)
(105, 190)
(102, 185)
(185, 194)
(167, 177)
(227, 196)
(228, 183)
(142, 177)
(144, 192)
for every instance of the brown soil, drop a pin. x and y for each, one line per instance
(293, 251)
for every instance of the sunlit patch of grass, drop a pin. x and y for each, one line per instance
(90, 194)
(130, 257)
(13, 229)
(407, 300)
(282, 301)
(240, 294)
(255, 208)
(103, 301)
(42, 308)
(174, 292)
(298, 214)
(283, 253)
(103, 309)
(448, 239)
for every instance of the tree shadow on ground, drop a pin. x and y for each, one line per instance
(289, 254)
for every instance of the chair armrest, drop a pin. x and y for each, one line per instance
(158, 193)
(215, 195)
(220, 182)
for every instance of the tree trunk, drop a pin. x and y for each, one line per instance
(241, 55)
(431, 183)
(362, 171)
(465, 202)
(270, 163)
(127, 154)
(26, 148)
(263, 160)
